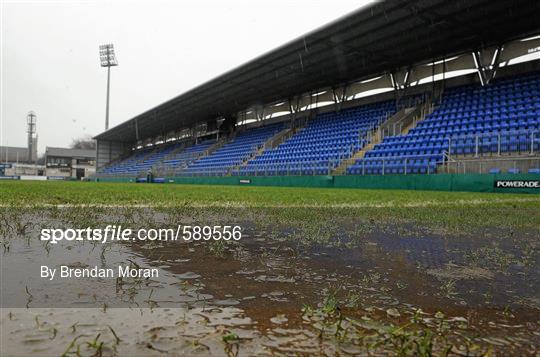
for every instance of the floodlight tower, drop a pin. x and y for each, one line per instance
(107, 59)
(31, 130)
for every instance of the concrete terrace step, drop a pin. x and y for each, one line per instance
(271, 143)
(397, 124)
(275, 141)
(341, 169)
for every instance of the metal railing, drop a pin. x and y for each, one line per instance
(279, 138)
(495, 144)
(493, 165)
(403, 165)
(186, 160)
(410, 119)
(301, 168)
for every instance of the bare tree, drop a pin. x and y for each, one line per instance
(85, 142)
(41, 160)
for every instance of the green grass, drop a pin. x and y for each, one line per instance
(29, 193)
(317, 209)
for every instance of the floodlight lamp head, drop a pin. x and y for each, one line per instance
(107, 57)
(31, 118)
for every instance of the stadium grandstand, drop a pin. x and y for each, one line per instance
(399, 87)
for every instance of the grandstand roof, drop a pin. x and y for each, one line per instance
(384, 36)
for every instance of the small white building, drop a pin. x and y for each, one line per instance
(75, 163)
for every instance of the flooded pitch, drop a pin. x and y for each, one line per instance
(345, 284)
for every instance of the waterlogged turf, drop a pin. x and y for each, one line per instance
(317, 272)
(439, 210)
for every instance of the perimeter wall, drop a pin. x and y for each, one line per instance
(438, 182)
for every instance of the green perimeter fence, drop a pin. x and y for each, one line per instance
(516, 183)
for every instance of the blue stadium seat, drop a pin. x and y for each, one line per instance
(503, 116)
(322, 144)
(235, 153)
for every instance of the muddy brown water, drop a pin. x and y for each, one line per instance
(270, 293)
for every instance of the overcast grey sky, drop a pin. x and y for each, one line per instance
(50, 56)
